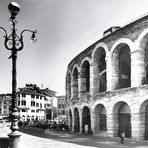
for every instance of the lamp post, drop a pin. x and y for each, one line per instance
(14, 43)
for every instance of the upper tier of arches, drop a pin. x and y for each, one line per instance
(118, 60)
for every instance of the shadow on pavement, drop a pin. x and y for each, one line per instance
(85, 140)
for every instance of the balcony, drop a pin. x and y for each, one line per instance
(40, 109)
(23, 107)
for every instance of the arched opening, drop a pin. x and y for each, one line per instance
(99, 70)
(146, 74)
(122, 119)
(146, 123)
(70, 120)
(76, 120)
(121, 66)
(69, 86)
(100, 118)
(103, 121)
(75, 83)
(144, 120)
(86, 119)
(85, 77)
(145, 43)
(103, 82)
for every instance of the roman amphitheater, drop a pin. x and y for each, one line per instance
(107, 84)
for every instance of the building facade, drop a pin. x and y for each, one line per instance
(107, 83)
(61, 108)
(5, 103)
(34, 102)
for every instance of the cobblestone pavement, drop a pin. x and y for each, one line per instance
(37, 138)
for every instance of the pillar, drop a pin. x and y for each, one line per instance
(93, 80)
(137, 68)
(80, 120)
(80, 82)
(112, 71)
(138, 126)
(93, 121)
(109, 73)
(112, 125)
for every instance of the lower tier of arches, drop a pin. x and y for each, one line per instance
(111, 118)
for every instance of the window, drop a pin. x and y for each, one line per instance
(23, 95)
(32, 103)
(40, 97)
(32, 96)
(37, 104)
(18, 95)
(37, 96)
(37, 111)
(18, 102)
(33, 111)
(5, 107)
(47, 105)
(23, 102)
(40, 105)
(23, 110)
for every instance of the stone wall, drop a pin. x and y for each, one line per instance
(130, 40)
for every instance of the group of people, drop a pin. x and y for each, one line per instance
(47, 124)
(56, 126)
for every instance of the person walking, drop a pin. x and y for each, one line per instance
(122, 136)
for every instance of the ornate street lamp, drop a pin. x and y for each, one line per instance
(14, 43)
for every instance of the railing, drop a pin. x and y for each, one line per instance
(4, 142)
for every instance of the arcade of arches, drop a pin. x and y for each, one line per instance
(107, 86)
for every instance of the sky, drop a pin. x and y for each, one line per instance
(64, 29)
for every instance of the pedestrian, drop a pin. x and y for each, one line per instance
(122, 136)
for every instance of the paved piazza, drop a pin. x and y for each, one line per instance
(36, 138)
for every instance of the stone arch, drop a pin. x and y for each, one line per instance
(100, 118)
(70, 119)
(85, 76)
(122, 119)
(75, 81)
(86, 119)
(125, 41)
(121, 64)
(144, 119)
(68, 85)
(103, 45)
(83, 60)
(142, 42)
(99, 67)
(76, 120)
